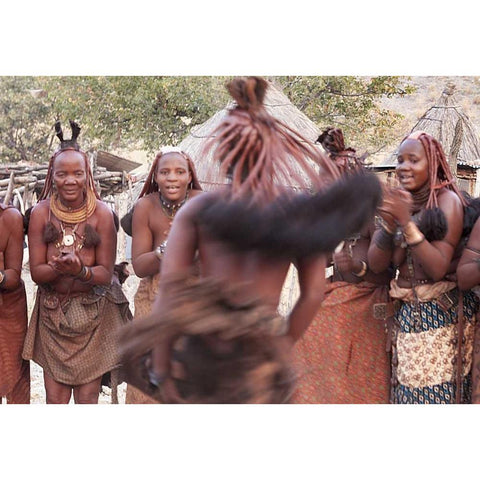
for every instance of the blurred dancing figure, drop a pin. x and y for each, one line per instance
(219, 338)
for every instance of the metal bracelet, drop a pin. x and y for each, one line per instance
(363, 271)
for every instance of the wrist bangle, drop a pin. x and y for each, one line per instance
(85, 274)
(3, 277)
(413, 236)
(160, 250)
(363, 271)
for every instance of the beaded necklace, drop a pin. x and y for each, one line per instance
(73, 215)
(70, 219)
(170, 209)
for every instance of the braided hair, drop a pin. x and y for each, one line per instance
(65, 145)
(333, 142)
(255, 150)
(261, 155)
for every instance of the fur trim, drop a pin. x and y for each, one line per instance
(296, 226)
(91, 237)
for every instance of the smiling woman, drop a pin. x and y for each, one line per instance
(420, 234)
(72, 246)
(171, 182)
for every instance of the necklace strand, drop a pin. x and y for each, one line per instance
(73, 215)
(170, 209)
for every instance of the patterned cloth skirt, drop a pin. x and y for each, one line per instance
(425, 350)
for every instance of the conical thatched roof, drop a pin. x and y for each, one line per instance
(452, 128)
(276, 103)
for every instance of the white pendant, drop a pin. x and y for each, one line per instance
(68, 240)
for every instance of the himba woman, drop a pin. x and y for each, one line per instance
(78, 309)
(171, 182)
(422, 227)
(343, 354)
(14, 371)
(219, 338)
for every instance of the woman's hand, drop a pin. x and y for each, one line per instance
(67, 264)
(396, 207)
(344, 262)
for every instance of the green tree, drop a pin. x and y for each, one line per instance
(148, 112)
(351, 103)
(23, 119)
(127, 112)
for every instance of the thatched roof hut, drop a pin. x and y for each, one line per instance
(276, 103)
(453, 129)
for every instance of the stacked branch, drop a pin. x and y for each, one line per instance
(21, 184)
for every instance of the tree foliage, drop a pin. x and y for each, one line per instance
(351, 103)
(126, 112)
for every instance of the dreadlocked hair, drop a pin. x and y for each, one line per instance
(333, 142)
(151, 185)
(432, 222)
(260, 153)
(66, 145)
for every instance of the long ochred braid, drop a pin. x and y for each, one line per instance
(261, 153)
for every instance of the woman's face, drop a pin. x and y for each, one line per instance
(70, 177)
(412, 166)
(173, 177)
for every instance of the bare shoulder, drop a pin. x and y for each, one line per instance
(41, 208)
(195, 204)
(103, 210)
(147, 201)
(449, 199)
(12, 216)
